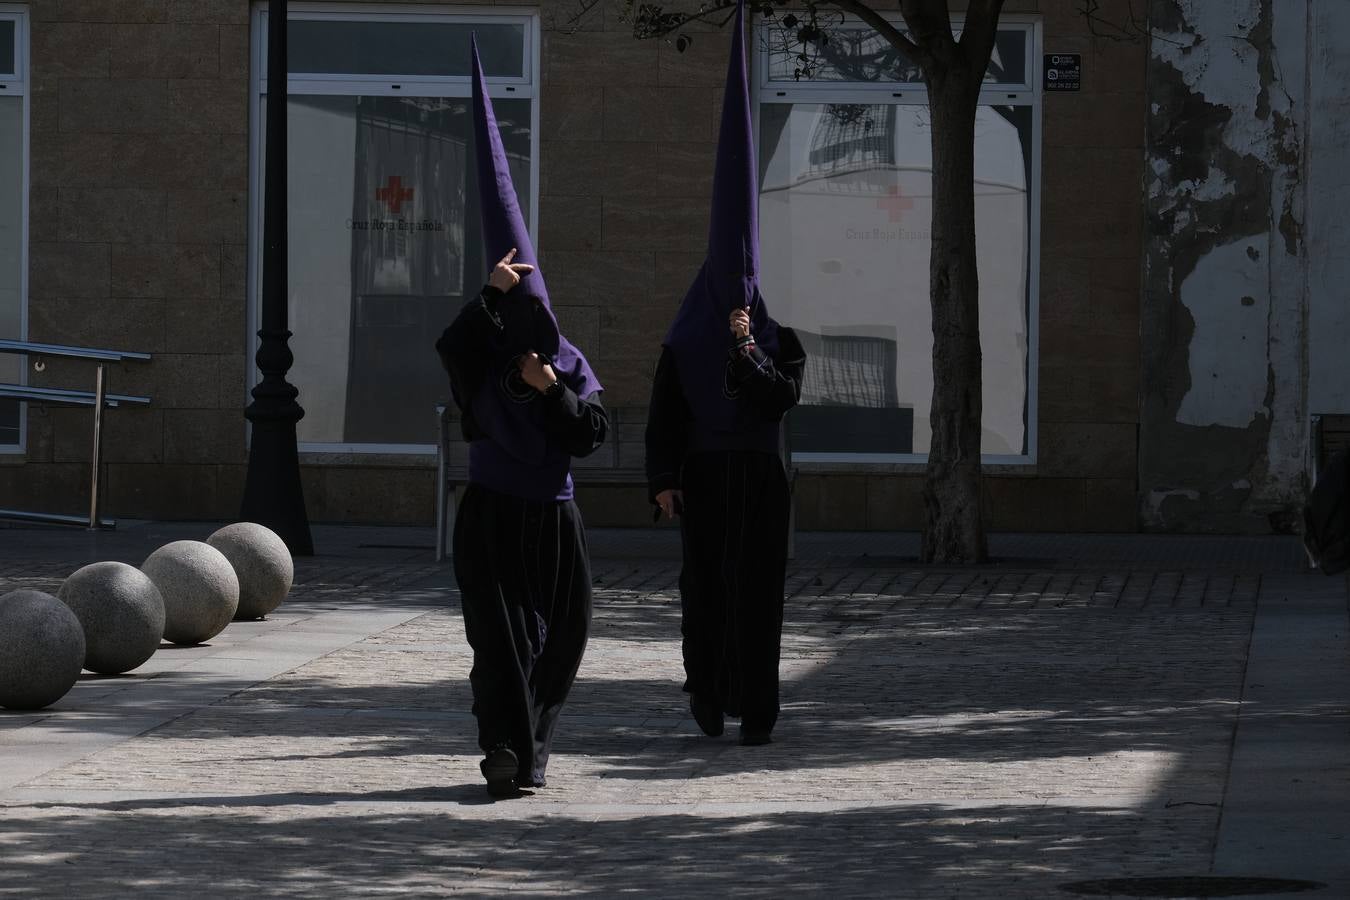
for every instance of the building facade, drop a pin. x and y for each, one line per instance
(131, 138)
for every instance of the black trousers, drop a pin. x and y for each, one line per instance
(525, 590)
(734, 531)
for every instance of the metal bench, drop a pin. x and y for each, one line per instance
(620, 460)
(98, 398)
(1329, 434)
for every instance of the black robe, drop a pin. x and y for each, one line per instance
(734, 531)
(522, 566)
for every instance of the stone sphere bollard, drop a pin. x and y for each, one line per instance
(122, 614)
(262, 562)
(41, 650)
(200, 590)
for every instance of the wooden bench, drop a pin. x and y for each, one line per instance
(620, 460)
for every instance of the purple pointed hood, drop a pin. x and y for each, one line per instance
(503, 222)
(528, 319)
(729, 278)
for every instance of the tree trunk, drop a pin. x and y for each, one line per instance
(953, 500)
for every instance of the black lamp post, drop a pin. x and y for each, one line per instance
(272, 492)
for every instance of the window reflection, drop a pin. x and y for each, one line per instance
(407, 49)
(384, 244)
(858, 54)
(845, 211)
(7, 32)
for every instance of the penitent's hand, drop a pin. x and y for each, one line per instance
(671, 502)
(535, 372)
(740, 323)
(506, 274)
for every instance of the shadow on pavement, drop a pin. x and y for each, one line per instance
(284, 845)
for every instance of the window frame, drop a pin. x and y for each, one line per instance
(312, 84)
(767, 91)
(11, 85)
(1028, 25)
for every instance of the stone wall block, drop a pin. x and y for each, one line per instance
(591, 168)
(110, 214)
(207, 105)
(165, 51)
(97, 160)
(1088, 449)
(165, 491)
(570, 223)
(67, 269)
(685, 169)
(571, 113)
(204, 436)
(130, 434)
(71, 50)
(894, 502)
(186, 381)
(213, 12)
(601, 59)
(124, 324)
(703, 63)
(206, 216)
(639, 113)
(662, 224)
(109, 11)
(124, 106)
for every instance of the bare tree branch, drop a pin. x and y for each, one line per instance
(652, 21)
(572, 23)
(894, 36)
(1098, 26)
(1133, 29)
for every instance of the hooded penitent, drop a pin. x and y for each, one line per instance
(517, 458)
(700, 336)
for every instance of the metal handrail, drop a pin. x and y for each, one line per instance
(73, 398)
(99, 398)
(23, 515)
(28, 348)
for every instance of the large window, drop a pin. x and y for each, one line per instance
(383, 237)
(13, 211)
(845, 210)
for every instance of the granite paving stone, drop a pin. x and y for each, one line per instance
(992, 731)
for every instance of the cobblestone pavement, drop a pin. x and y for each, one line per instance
(976, 733)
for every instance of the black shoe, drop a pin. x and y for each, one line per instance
(707, 713)
(755, 737)
(500, 771)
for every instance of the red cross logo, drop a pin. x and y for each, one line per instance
(895, 203)
(394, 193)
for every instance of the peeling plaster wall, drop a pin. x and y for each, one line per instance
(1224, 412)
(1328, 229)
(1228, 298)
